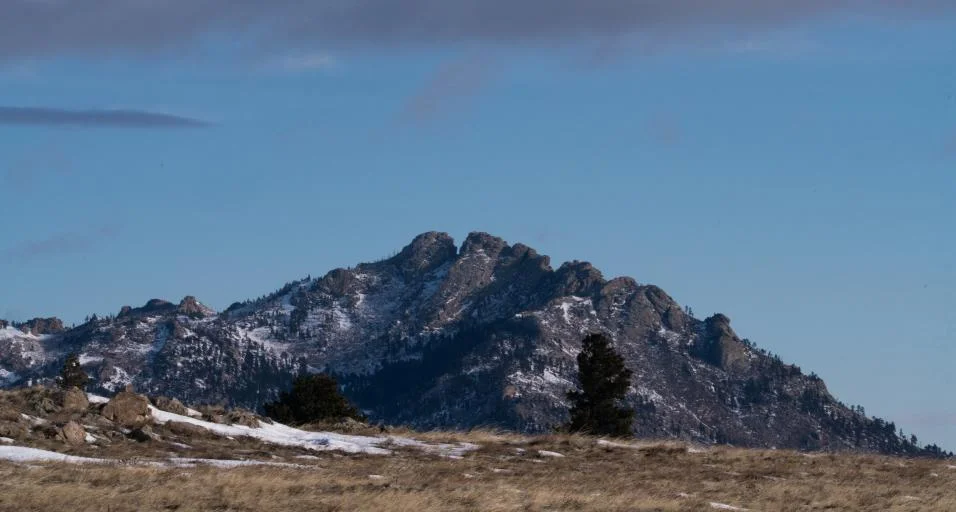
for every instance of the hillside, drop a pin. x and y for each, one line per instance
(441, 336)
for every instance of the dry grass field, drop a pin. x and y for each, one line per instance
(508, 472)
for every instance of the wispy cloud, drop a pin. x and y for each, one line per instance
(43, 116)
(62, 243)
(950, 146)
(306, 62)
(930, 419)
(451, 85)
(31, 28)
(665, 129)
(42, 160)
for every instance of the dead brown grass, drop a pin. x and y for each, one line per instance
(507, 473)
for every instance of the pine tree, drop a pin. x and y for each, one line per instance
(72, 374)
(603, 381)
(312, 398)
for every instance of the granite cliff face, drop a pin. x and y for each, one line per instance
(442, 336)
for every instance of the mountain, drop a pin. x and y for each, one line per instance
(440, 336)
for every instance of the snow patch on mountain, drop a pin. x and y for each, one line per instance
(8, 378)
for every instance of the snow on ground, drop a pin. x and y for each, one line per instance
(546, 453)
(723, 506)
(24, 454)
(280, 434)
(6, 440)
(613, 444)
(228, 464)
(277, 433)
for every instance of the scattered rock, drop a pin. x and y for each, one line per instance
(142, 434)
(12, 429)
(170, 405)
(73, 434)
(127, 409)
(186, 429)
(242, 417)
(43, 404)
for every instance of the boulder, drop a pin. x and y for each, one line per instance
(74, 400)
(73, 434)
(127, 409)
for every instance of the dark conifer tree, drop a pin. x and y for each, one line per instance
(72, 374)
(603, 379)
(312, 398)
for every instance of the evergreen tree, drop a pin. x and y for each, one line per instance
(596, 408)
(312, 398)
(72, 374)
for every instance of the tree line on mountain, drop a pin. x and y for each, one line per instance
(597, 405)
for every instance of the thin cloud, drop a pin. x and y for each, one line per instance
(931, 419)
(665, 130)
(42, 116)
(452, 84)
(43, 160)
(306, 62)
(31, 28)
(63, 243)
(950, 146)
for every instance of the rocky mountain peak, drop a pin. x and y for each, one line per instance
(191, 307)
(578, 278)
(477, 242)
(156, 304)
(437, 336)
(426, 252)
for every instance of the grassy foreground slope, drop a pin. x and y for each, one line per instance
(507, 473)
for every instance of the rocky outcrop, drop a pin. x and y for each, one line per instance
(42, 326)
(192, 308)
(73, 400)
(127, 409)
(720, 346)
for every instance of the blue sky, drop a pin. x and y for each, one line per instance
(795, 173)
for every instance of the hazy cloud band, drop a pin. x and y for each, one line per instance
(62, 243)
(38, 116)
(32, 28)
